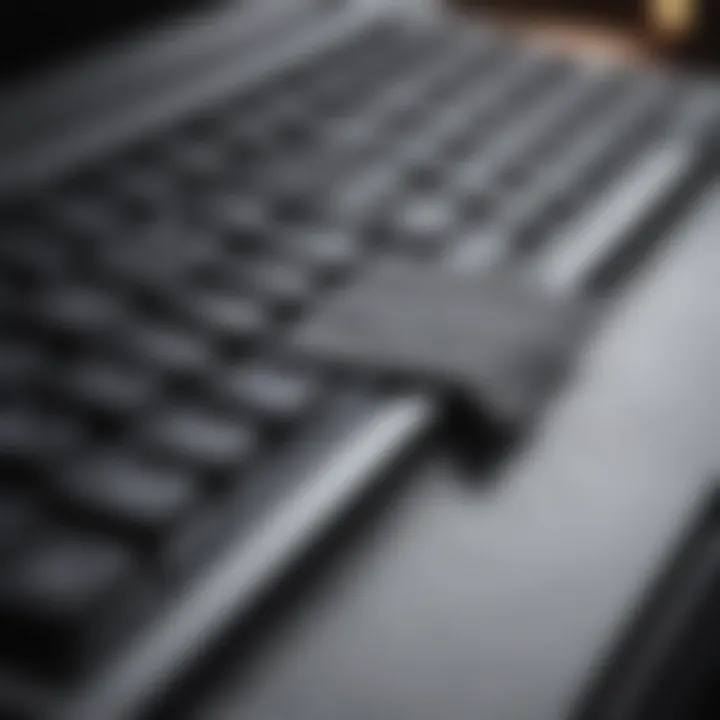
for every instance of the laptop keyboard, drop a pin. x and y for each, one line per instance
(145, 298)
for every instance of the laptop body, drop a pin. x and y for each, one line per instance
(498, 597)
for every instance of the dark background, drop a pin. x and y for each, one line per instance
(36, 33)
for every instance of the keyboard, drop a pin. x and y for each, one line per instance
(164, 454)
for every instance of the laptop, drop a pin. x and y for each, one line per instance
(357, 361)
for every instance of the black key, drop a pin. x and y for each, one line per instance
(355, 135)
(85, 217)
(296, 131)
(110, 387)
(17, 519)
(203, 440)
(139, 497)
(160, 252)
(273, 393)
(295, 187)
(22, 432)
(32, 257)
(248, 145)
(32, 443)
(80, 312)
(240, 219)
(54, 594)
(143, 192)
(285, 286)
(235, 318)
(21, 367)
(196, 160)
(479, 205)
(167, 349)
(474, 175)
(424, 224)
(296, 205)
(424, 175)
(328, 252)
(357, 199)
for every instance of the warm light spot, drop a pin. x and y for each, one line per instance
(674, 18)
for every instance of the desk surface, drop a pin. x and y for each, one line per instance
(499, 599)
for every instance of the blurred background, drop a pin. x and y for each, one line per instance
(677, 32)
(682, 32)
